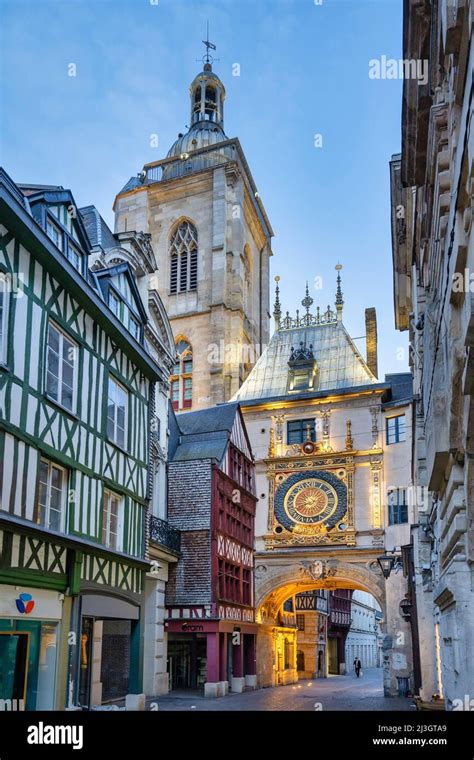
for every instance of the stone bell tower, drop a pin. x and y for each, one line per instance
(212, 242)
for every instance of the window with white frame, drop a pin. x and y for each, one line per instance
(55, 234)
(61, 354)
(134, 326)
(4, 303)
(74, 256)
(117, 413)
(52, 490)
(114, 303)
(124, 312)
(112, 521)
(395, 429)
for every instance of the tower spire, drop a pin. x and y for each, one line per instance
(339, 300)
(277, 307)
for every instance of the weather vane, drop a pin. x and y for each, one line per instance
(207, 58)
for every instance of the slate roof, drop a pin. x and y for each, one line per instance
(33, 189)
(401, 384)
(132, 183)
(204, 434)
(339, 363)
(97, 229)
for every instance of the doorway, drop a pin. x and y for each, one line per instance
(115, 661)
(333, 660)
(187, 662)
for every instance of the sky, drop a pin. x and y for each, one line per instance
(317, 131)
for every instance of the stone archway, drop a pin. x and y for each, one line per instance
(275, 582)
(278, 578)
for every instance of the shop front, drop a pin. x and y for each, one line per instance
(214, 656)
(109, 649)
(30, 622)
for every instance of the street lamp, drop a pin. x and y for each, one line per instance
(387, 563)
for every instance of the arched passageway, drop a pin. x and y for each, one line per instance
(321, 591)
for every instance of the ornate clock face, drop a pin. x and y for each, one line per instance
(310, 501)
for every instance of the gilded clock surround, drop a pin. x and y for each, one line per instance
(326, 524)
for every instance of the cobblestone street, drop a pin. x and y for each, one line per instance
(333, 693)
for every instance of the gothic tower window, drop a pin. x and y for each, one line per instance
(183, 258)
(182, 377)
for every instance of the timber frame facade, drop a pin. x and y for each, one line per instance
(74, 446)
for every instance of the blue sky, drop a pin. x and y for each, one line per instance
(303, 71)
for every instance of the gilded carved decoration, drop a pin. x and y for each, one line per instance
(311, 500)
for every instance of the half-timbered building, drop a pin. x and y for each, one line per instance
(210, 605)
(77, 387)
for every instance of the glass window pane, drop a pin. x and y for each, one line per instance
(53, 362)
(54, 519)
(47, 667)
(53, 338)
(66, 397)
(69, 351)
(68, 373)
(120, 437)
(56, 477)
(121, 417)
(52, 385)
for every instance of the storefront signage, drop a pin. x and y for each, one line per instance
(191, 628)
(25, 604)
(20, 602)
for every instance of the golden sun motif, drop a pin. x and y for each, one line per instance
(310, 502)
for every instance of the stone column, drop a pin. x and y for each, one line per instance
(223, 680)
(155, 676)
(211, 687)
(250, 661)
(238, 680)
(96, 683)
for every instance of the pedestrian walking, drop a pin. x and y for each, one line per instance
(357, 666)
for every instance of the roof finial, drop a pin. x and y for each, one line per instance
(277, 307)
(307, 300)
(208, 59)
(339, 301)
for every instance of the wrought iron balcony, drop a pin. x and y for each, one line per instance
(162, 533)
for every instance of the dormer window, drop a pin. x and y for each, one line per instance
(74, 255)
(301, 379)
(134, 326)
(60, 229)
(55, 234)
(124, 313)
(114, 303)
(303, 369)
